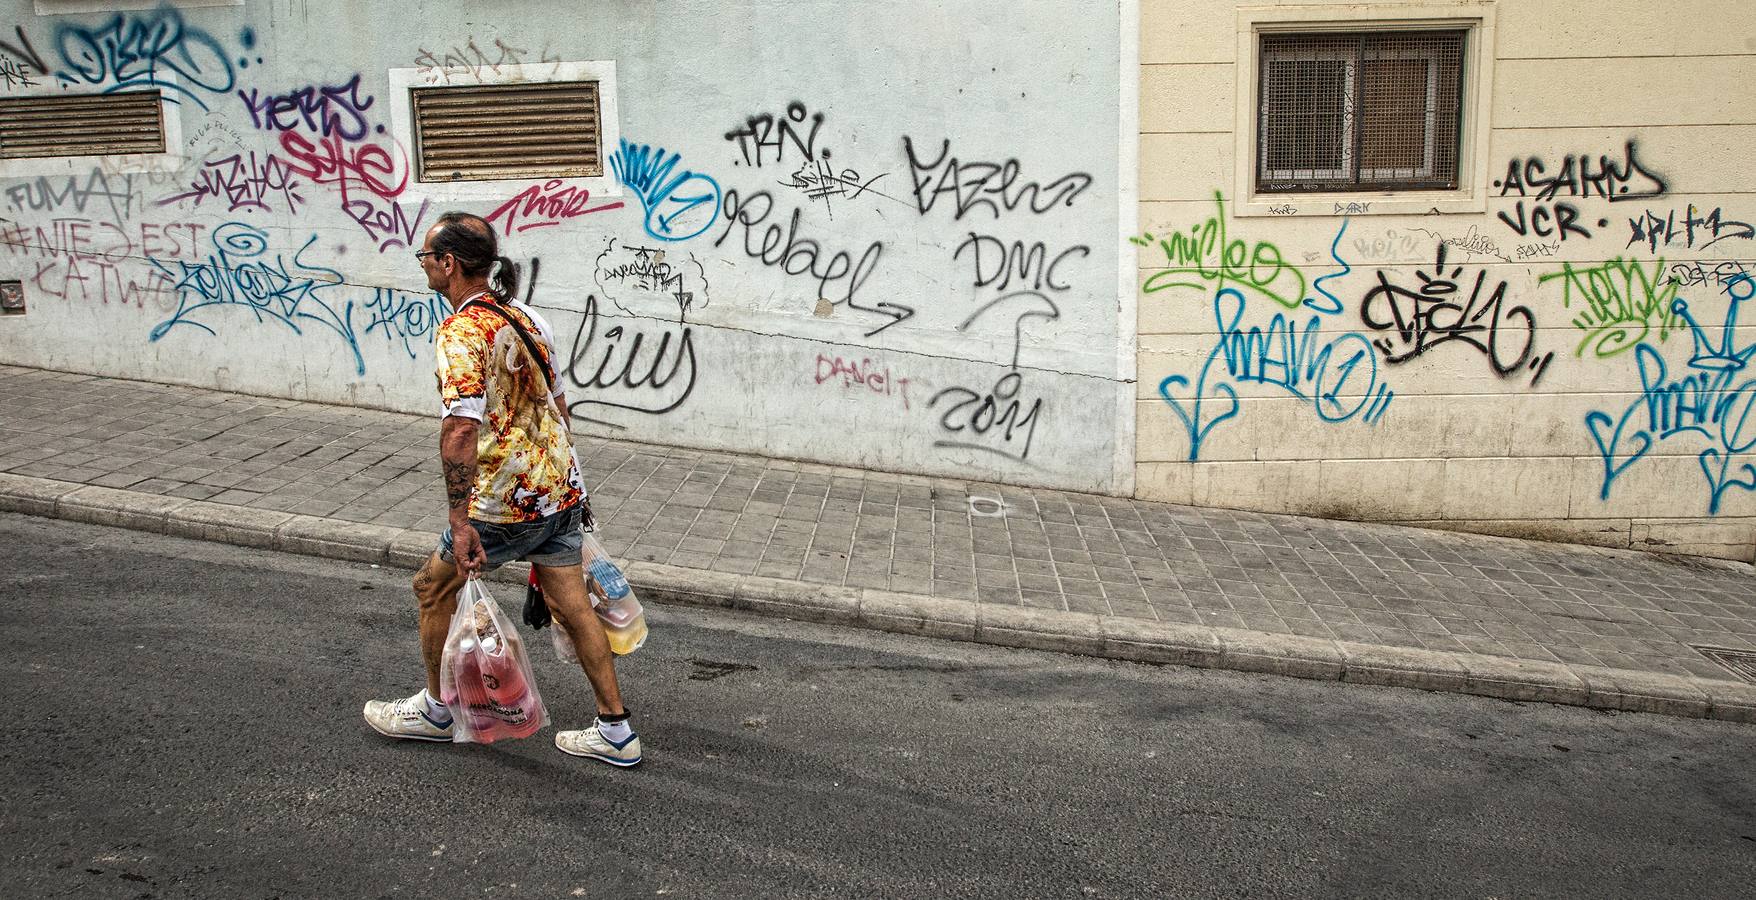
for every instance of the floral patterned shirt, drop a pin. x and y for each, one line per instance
(525, 467)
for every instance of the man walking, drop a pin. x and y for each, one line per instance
(511, 479)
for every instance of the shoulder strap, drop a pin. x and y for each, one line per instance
(530, 345)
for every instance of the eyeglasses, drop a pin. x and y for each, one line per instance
(421, 255)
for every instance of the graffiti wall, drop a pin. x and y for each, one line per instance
(1567, 350)
(888, 236)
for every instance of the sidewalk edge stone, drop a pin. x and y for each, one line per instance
(226, 524)
(1164, 643)
(32, 496)
(354, 541)
(1280, 654)
(118, 508)
(1430, 670)
(917, 614)
(1040, 629)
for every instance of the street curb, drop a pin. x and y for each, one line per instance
(1110, 637)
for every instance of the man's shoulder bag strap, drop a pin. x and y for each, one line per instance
(530, 344)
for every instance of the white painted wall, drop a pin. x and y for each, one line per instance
(340, 314)
(1460, 446)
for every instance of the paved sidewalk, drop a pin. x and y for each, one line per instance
(1309, 597)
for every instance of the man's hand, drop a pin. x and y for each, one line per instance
(466, 548)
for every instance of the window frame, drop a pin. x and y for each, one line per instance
(403, 81)
(1475, 19)
(168, 162)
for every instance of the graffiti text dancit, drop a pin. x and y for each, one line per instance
(1714, 400)
(1619, 303)
(242, 272)
(680, 204)
(324, 110)
(874, 377)
(1436, 314)
(44, 196)
(979, 185)
(632, 271)
(1204, 259)
(1657, 231)
(545, 204)
(795, 255)
(132, 51)
(772, 133)
(655, 384)
(246, 183)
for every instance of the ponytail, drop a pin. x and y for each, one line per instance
(505, 279)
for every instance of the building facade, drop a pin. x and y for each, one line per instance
(1391, 262)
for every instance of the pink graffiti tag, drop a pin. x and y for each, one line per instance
(546, 204)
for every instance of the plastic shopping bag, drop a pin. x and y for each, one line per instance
(618, 610)
(613, 599)
(484, 675)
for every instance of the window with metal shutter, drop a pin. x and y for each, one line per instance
(1360, 111)
(499, 131)
(81, 125)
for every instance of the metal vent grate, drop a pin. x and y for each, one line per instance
(489, 132)
(1360, 111)
(1741, 663)
(81, 125)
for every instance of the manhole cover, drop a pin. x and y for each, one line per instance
(1741, 663)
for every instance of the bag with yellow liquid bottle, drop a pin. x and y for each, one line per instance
(618, 610)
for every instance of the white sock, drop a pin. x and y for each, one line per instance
(615, 732)
(436, 711)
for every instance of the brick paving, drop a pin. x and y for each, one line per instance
(966, 540)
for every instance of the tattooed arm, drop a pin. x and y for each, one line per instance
(457, 456)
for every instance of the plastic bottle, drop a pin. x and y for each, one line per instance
(623, 618)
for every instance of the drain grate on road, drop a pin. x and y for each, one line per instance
(1741, 663)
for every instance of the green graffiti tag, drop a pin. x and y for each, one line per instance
(1204, 258)
(1620, 302)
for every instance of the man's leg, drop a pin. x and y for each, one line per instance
(436, 587)
(564, 589)
(421, 717)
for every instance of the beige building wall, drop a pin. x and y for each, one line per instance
(1580, 406)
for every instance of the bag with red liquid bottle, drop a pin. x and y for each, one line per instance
(484, 674)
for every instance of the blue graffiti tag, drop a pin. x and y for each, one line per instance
(651, 174)
(242, 272)
(133, 51)
(1339, 376)
(1709, 401)
(406, 317)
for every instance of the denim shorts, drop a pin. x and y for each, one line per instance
(551, 541)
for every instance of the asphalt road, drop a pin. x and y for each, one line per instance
(182, 720)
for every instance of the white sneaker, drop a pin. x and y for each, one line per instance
(591, 743)
(406, 719)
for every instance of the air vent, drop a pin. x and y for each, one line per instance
(499, 131)
(81, 125)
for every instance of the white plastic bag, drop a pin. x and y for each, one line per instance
(612, 598)
(484, 674)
